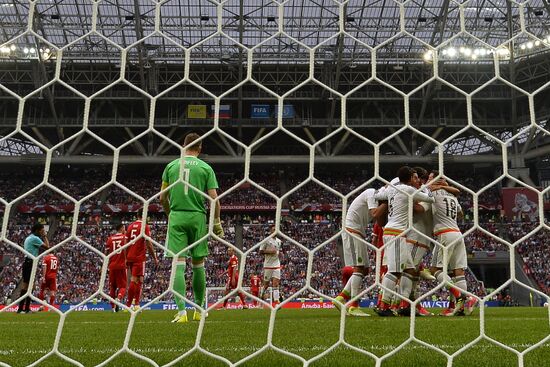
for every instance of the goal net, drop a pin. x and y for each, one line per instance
(369, 85)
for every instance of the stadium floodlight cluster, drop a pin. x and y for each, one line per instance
(537, 43)
(7, 49)
(474, 53)
(58, 52)
(469, 53)
(25, 52)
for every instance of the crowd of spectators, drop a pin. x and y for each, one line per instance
(534, 250)
(79, 275)
(87, 182)
(477, 240)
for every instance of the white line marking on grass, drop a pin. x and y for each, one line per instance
(28, 322)
(248, 348)
(126, 322)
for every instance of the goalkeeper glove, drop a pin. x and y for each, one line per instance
(218, 230)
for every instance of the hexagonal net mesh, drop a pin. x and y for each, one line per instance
(278, 44)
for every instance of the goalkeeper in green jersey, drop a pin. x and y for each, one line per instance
(187, 217)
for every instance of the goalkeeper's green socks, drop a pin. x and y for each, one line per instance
(199, 284)
(179, 286)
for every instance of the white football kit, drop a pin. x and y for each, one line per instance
(423, 223)
(272, 263)
(355, 248)
(398, 254)
(445, 212)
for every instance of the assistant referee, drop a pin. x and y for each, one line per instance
(33, 243)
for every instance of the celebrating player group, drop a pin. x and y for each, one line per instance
(435, 214)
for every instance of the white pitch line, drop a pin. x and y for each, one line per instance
(125, 322)
(27, 351)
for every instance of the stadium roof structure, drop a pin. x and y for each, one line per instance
(187, 22)
(471, 39)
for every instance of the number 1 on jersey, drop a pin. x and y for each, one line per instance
(186, 172)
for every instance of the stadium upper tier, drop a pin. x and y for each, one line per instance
(382, 55)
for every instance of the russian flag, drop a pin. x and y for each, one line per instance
(225, 111)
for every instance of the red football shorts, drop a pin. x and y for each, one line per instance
(49, 283)
(231, 284)
(118, 278)
(137, 269)
(255, 292)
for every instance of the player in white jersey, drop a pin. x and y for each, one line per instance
(419, 238)
(446, 210)
(359, 215)
(272, 266)
(397, 251)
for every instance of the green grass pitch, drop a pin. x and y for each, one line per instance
(91, 337)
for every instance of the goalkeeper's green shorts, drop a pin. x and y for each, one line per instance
(184, 229)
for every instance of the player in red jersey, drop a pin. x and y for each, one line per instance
(49, 283)
(232, 277)
(255, 282)
(117, 265)
(135, 259)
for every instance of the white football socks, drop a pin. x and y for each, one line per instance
(460, 282)
(389, 281)
(405, 285)
(356, 281)
(275, 294)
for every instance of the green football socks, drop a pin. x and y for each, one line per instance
(179, 286)
(199, 284)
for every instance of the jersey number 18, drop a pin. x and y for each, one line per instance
(450, 208)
